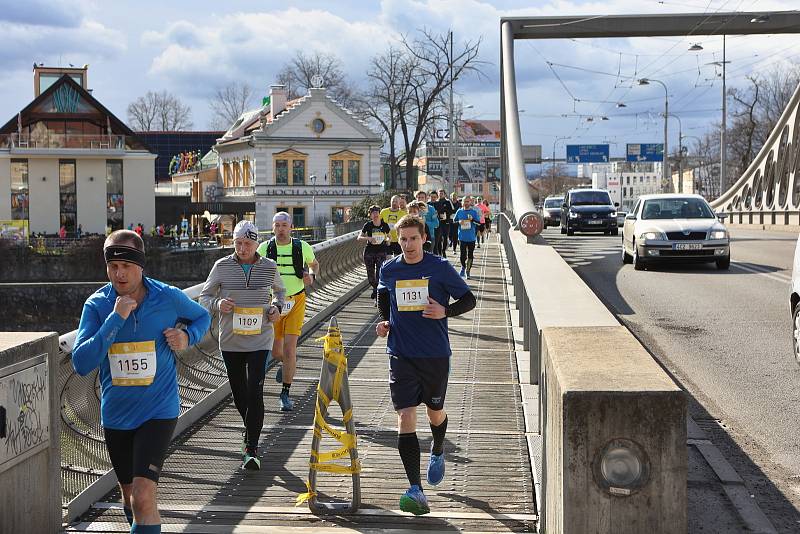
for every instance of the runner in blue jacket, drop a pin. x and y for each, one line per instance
(128, 331)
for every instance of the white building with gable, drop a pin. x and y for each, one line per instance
(309, 156)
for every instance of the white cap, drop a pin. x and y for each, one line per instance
(282, 216)
(245, 229)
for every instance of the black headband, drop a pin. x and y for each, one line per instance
(124, 253)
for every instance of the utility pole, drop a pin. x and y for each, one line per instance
(451, 123)
(722, 156)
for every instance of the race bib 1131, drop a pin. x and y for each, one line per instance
(411, 295)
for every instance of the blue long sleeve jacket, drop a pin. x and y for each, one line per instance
(432, 220)
(127, 407)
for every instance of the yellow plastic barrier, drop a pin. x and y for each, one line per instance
(333, 386)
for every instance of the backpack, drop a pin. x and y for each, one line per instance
(297, 255)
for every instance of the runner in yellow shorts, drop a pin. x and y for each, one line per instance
(298, 267)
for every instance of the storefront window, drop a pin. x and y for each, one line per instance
(19, 189)
(115, 201)
(68, 200)
(298, 217)
(282, 172)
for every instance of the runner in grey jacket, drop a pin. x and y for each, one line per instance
(238, 291)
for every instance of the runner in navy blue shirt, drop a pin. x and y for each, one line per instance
(414, 295)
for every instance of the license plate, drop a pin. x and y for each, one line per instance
(595, 222)
(687, 246)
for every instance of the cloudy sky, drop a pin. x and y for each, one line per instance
(191, 48)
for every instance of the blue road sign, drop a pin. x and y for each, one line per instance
(587, 153)
(645, 152)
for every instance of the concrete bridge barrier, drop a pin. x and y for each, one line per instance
(30, 485)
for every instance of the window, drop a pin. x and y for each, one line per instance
(299, 171)
(246, 174)
(19, 189)
(298, 217)
(282, 172)
(337, 214)
(345, 168)
(337, 172)
(115, 201)
(353, 171)
(68, 200)
(628, 180)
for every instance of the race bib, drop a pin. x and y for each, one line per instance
(465, 225)
(132, 364)
(442, 216)
(247, 321)
(287, 307)
(411, 295)
(391, 226)
(379, 237)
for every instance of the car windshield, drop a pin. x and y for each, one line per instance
(677, 208)
(591, 198)
(553, 202)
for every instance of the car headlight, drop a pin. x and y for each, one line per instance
(718, 234)
(652, 236)
(573, 215)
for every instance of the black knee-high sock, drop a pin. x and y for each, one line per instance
(128, 514)
(408, 446)
(438, 437)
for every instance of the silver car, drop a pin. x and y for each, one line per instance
(673, 227)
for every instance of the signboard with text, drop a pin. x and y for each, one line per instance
(587, 153)
(645, 152)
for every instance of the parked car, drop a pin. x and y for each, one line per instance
(551, 211)
(794, 303)
(588, 210)
(669, 227)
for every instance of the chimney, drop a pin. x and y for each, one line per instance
(277, 100)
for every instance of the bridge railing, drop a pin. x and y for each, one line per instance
(769, 190)
(85, 467)
(604, 404)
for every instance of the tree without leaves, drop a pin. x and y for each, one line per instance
(296, 76)
(411, 97)
(159, 111)
(228, 104)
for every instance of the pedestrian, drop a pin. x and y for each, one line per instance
(390, 216)
(298, 267)
(418, 209)
(414, 295)
(62, 232)
(487, 215)
(246, 293)
(481, 221)
(454, 226)
(430, 217)
(128, 330)
(79, 232)
(138, 229)
(445, 211)
(376, 235)
(466, 218)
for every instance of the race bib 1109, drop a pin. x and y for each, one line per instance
(247, 321)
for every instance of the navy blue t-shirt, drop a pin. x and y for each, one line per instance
(410, 334)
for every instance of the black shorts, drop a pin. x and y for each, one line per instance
(414, 381)
(139, 452)
(481, 227)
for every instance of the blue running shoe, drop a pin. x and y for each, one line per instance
(250, 460)
(287, 405)
(279, 374)
(436, 469)
(463, 273)
(414, 501)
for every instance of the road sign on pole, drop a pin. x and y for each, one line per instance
(645, 152)
(587, 154)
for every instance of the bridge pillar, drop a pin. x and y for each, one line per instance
(30, 459)
(615, 457)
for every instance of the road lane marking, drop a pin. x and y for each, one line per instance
(771, 275)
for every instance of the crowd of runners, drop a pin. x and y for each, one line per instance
(131, 327)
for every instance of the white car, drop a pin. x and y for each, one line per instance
(672, 227)
(794, 303)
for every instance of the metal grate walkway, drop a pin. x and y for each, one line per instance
(488, 487)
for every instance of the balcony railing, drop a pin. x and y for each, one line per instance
(63, 141)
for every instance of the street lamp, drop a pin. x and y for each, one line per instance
(553, 166)
(647, 81)
(313, 179)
